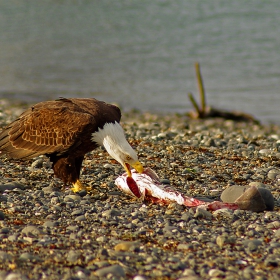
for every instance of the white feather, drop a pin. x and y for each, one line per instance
(112, 137)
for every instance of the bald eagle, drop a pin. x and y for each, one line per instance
(65, 130)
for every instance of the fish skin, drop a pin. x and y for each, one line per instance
(150, 189)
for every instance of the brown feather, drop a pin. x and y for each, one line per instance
(60, 129)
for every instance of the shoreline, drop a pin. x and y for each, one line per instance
(47, 232)
(19, 103)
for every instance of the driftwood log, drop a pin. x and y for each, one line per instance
(204, 111)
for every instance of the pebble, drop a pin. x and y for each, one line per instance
(2, 216)
(27, 257)
(37, 163)
(126, 246)
(5, 257)
(73, 257)
(202, 213)
(15, 276)
(32, 231)
(139, 277)
(50, 224)
(114, 270)
(11, 186)
(72, 198)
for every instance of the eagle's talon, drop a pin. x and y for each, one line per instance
(78, 187)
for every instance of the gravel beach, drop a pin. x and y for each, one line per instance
(48, 232)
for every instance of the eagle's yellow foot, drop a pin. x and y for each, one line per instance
(78, 186)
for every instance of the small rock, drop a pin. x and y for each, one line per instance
(272, 261)
(165, 181)
(223, 213)
(49, 189)
(73, 256)
(15, 276)
(114, 270)
(266, 152)
(32, 231)
(101, 239)
(80, 218)
(27, 257)
(221, 240)
(72, 228)
(5, 256)
(272, 174)
(72, 198)
(37, 163)
(126, 246)
(11, 186)
(111, 213)
(77, 212)
(139, 277)
(202, 213)
(102, 254)
(183, 246)
(277, 233)
(216, 273)
(253, 244)
(50, 224)
(13, 238)
(2, 216)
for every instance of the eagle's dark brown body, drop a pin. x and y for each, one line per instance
(61, 129)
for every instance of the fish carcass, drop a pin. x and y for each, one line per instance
(147, 186)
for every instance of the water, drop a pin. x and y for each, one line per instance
(141, 54)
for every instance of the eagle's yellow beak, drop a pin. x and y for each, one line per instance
(137, 166)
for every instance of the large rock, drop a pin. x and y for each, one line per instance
(252, 198)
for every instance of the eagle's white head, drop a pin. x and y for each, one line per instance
(112, 137)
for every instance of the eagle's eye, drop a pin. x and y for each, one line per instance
(128, 158)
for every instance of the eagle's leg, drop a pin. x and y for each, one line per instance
(68, 169)
(77, 185)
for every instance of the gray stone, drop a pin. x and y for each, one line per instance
(72, 198)
(202, 213)
(5, 257)
(111, 213)
(231, 193)
(272, 174)
(73, 256)
(80, 218)
(50, 224)
(12, 186)
(139, 277)
(77, 212)
(114, 270)
(27, 257)
(32, 231)
(254, 198)
(2, 216)
(127, 246)
(15, 276)
(37, 163)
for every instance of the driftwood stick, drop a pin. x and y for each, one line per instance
(200, 88)
(203, 111)
(194, 103)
